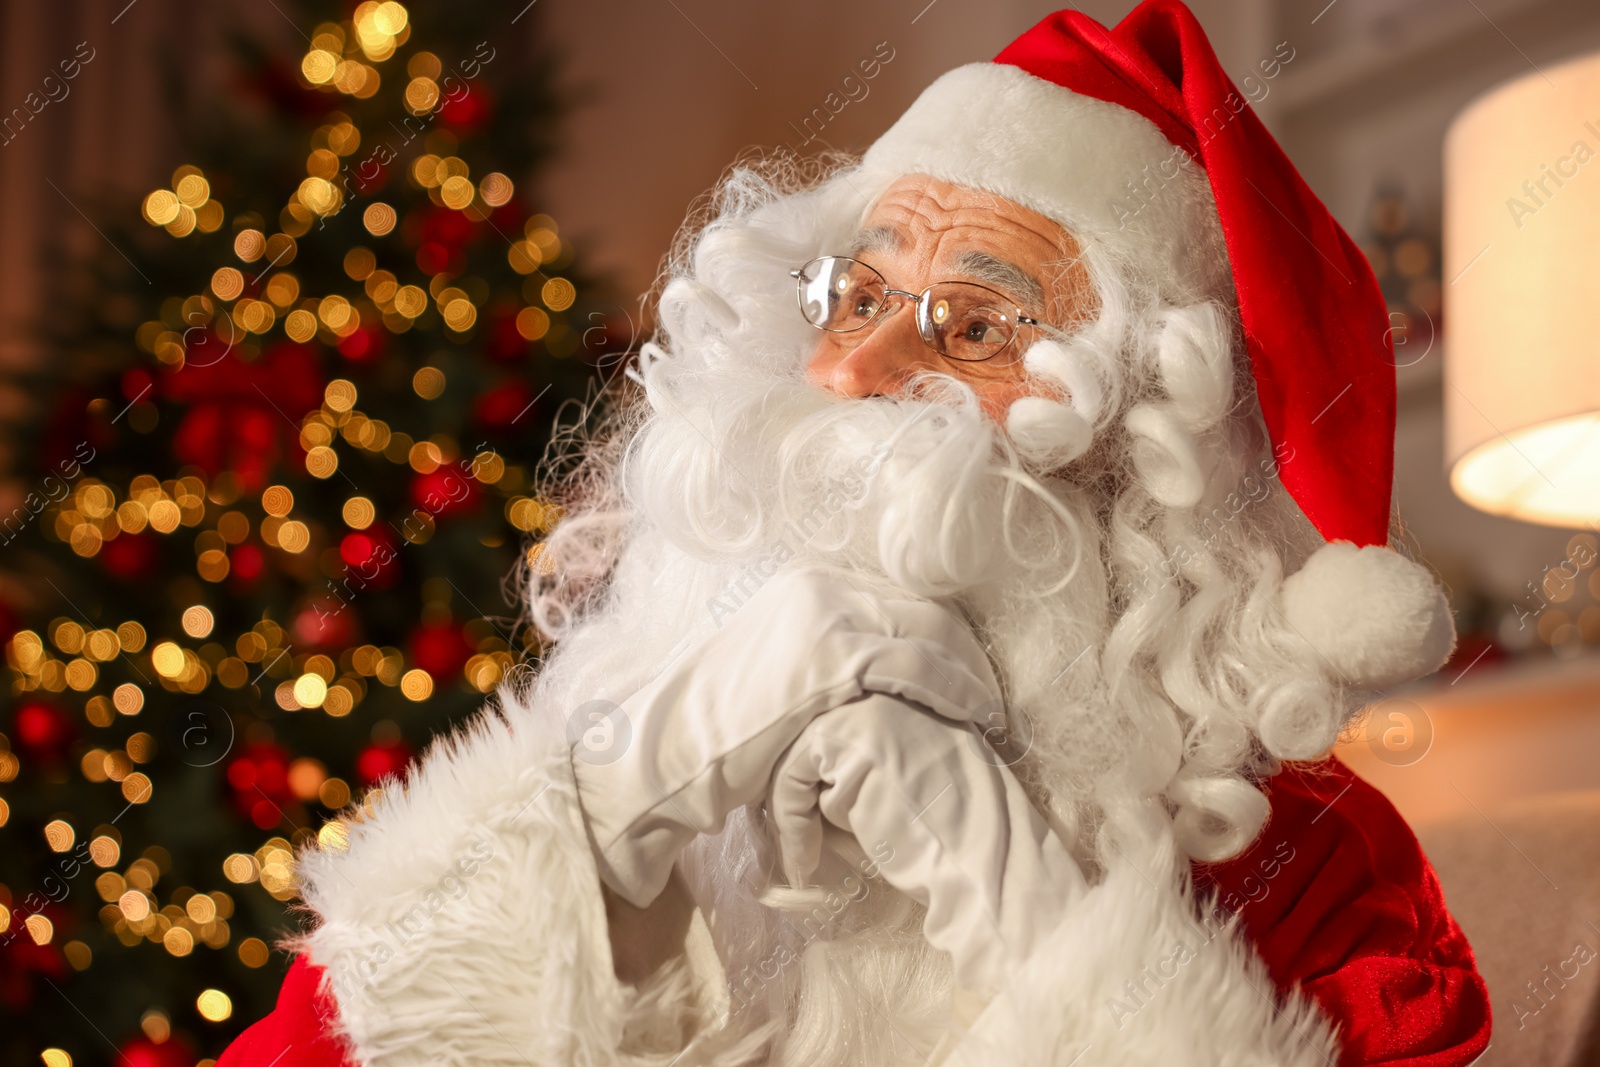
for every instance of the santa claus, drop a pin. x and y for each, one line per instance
(951, 624)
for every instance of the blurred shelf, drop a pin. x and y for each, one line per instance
(1485, 737)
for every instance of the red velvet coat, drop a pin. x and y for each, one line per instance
(1335, 893)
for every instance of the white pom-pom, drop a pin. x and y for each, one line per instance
(1045, 433)
(1376, 617)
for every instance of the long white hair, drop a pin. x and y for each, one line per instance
(1118, 545)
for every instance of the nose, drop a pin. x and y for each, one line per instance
(856, 366)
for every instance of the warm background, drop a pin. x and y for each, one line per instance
(652, 100)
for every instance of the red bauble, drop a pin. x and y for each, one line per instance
(467, 111)
(42, 731)
(129, 556)
(504, 342)
(258, 778)
(377, 761)
(21, 958)
(142, 1052)
(236, 418)
(370, 559)
(9, 623)
(447, 490)
(326, 623)
(245, 565)
(446, 227)
(136, 385)
(441, 649)
(364, 344)
(506, 403)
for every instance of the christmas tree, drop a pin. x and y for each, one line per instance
(285, 497)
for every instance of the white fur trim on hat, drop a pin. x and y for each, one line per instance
(1099, 169)
(1376, 617)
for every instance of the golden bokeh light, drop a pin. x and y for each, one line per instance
(558, 294)
(457, 192)
(321, 462)
(253, 952)
(161, 207)
(335, 793)
(178, 941)
(214, 1005)
(496, 189)
(379, 219)
(249, 244)
(192, 188)
(293, 536)
(318, 66)
(533, 323)
(198, 621)
(39, 928)
(416, 684)
(309, 689)
(239, 868)
(134, 904)
(137, 788)
(168, 659)
(227, 283)
(410, 301)
(59, 835)
(300, 326)
(128, 698)
(283, 289)
(277, 500)
(358, 512)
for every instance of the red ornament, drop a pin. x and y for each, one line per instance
(433, 258)
(467, 111)
(504, 342)
(448, 228)
(21, 958)
(441, 649)
(258, 778)
(236, 419)
(245, 565)
(447, 490)
(370, 559)
(137, 384)
(43, 731)
(365, 343)
(142, 1052)
(506, 403)
(326, 623)
(129, 556)
(380, 760)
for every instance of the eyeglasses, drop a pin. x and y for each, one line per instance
(959, 320)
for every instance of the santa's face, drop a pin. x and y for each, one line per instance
(922, 231)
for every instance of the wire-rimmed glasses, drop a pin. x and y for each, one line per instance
(959, 320)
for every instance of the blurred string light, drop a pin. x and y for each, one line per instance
(252, 292)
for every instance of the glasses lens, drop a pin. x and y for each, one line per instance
(840, 294)
(965, 321)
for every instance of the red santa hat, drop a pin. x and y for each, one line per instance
(1136, 138)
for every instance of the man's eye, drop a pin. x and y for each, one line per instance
(865, 306)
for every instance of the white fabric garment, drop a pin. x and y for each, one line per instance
(832, 701)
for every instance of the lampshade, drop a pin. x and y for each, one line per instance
(1522, 297)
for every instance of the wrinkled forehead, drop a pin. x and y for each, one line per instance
(939, 229)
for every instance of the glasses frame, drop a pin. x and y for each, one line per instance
(919, 302)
